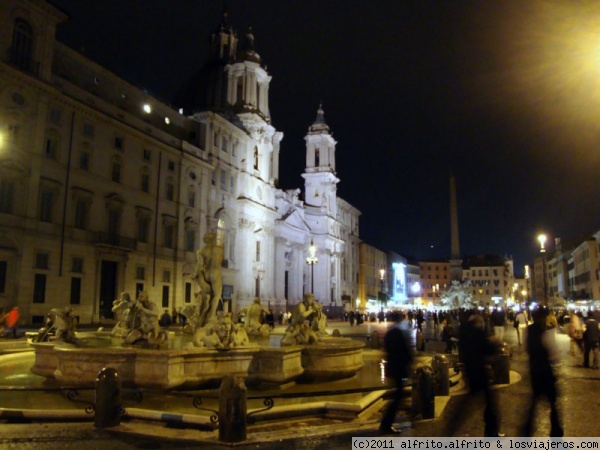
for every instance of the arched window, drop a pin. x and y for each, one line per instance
(22, 45)
(226, 237)
(317, 157)
(170, 189)
(85, 156)
(255, 158)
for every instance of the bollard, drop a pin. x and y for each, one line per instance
(232, 409)
(336, 333)
(501, 367)
(375, 340)
(108, 399)
(420, 341)
(441, 375)
(423, 400)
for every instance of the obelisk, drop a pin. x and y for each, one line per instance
(455, 261)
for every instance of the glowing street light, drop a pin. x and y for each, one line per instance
(311, 261)
(542, 239)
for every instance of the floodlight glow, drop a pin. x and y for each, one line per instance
(416, 287)
(147, 108)
(167, 120)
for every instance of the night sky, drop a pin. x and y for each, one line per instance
(506, 95)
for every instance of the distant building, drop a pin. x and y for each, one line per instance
(435, 277)
(491, 278)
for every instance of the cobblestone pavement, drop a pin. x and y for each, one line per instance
(579, 402)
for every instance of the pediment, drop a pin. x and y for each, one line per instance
(293, 218)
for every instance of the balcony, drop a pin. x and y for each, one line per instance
(114, 240)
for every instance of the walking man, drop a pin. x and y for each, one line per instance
(399, 360)
(591, 341)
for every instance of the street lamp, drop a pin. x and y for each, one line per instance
(311, 261)
(382, 298)
(542, 239)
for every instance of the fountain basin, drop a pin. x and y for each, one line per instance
(146, 368)
(191, 367)
(332, 359)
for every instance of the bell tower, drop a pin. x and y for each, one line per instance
(320, 180)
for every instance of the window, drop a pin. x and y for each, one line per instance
(169, 231)
(119, 143)
(145, 180)
(215, 139)
(223, 180)
(166, 276)
(171, 166)
(140, 273)
(255, 158)
(190, 240)
(165, 296)
(77, 265)
(46, 204)
(84, 158)
(7, 190)
(317, 157)
(3, 269)
(41, 261)
(257, 251)
(51, 146)
(39, 288)
(170, 189)
(143, 228)
(233, 149)
(88, 130)
(188, 293)
(224, 144)
(146, 154)
(115, 174)
(213, 178)
(191, 198)
(75, 291)
(22, 45)
(54, 115)
(81, 213)
(114, 221)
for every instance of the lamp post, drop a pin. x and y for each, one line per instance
(542, 240)
(311, 261)
(382, 283)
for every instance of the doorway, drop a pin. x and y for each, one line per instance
(108, 288)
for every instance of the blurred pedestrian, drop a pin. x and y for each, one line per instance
(12, 321)
(543, 354)
(591, 340)
(165, 319)
(477, 349)
(399, 359)
(499, 321)
(521, 326)
(575, 332)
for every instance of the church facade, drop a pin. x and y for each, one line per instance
(105, 189)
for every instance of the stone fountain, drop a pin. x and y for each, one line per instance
(139, 350)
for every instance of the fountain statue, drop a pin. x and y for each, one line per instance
(299, 331)
(145, 330)
(255, 324)
(60, 326)
(123, 315)
(221, 334)
(458, 295)
(207, 275)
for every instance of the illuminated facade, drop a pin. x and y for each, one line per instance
(105, 189)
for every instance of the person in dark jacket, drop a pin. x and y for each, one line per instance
(476, 349)
(542, 355)
(399, 359)
(591, 340)
(165, 319)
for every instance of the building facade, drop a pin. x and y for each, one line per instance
(105, 189)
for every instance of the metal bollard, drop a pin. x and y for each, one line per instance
(375, 342)
(441, 375)
(423, 400)
(108, 399)
(501, 367)
(232, 409)
(420, 341)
